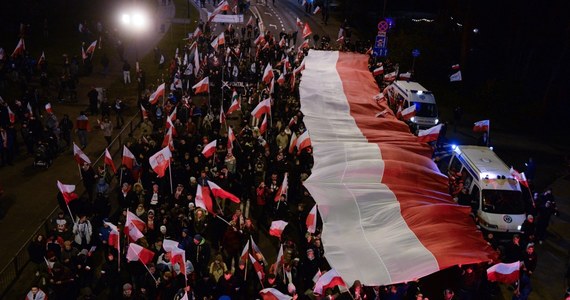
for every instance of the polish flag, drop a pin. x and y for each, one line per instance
(154, 97)
(280, 258)
(390, 76)
(311, 221)
(222, 38)
(221, 193)
(306, 31)
(196, 62)
(272, 86)
(520, 177)
(114, 236)
(257, 267)
(378, 71)
(169, 245)
(170, 125)
(48, 108)
(203, 199)
(264, 107)
(277, 228)
(303, 141)
(215, 43)
(11, 115)
(340, 40)
(292, 143)
(79, 156)
(505, 273)
(292, 122)
(231, 138)
(178, 257)
(273, 294)
(481, 126)
(299, 23)
(138, 253)
(202, 87)
(134, 227)
(300, 68)
(408, 113)
(67, 190)
(144, 112)
(223, 6)
(405, 76)
(256, 251)
(210, 149)
(236, 103)
(282, 42)
(222, 115)
(259, 39)
(20, 48)
(304, 45)
(128, 158)
(328, 280)
(245, 252)
(173, 114)
(42, 58)
(268, 74)
(168, 140)
(83, 54)
(109, 160)
(197, 33)
(160, 161)
(263, 127)
(455, 76)
(455, 67)
(281, 79)
(282, 189)
(91, 48)
(317, 10)
(429, 135)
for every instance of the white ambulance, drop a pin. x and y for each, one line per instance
(495, 194)
(403, 94)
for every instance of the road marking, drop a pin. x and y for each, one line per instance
(271, 25)
(268, 13)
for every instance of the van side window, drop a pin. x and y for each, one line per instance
(467, 179)
(475, 197)
(455, 165)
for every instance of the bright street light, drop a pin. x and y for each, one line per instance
(126, 19)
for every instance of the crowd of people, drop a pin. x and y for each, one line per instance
(79, 258)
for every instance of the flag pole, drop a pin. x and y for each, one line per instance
(489, 133)
(225, 221)
(156, 281)
(170, 173)
(70, 214)
(121, 178)
(80, 175)
(119, 251)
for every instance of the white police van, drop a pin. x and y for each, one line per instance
(403, 94)
(496, 196)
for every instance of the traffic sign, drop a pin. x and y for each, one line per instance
(383, 26)
(380, 45)
(415, 53)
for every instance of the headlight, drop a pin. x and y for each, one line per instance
(413, 119)
(519, 228)
(436, 121)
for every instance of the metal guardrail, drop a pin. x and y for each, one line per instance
(15, 267)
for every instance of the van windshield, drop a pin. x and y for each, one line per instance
(427, 110)
(502, 202)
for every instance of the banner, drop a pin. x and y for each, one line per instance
(226, 18)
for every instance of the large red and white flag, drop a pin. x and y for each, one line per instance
(202, 87)
(299, 23)
(178, 257)
(520, 177)
(378, 71)
(11, 115)
(20, 48)
(67, 190)
(257, 267)
(138, 253)
(134, 227)
(48, 108)
(292, 143)
(481, 126)
(268, 73)
(114, 236)
(263, 126)
(328, 280)
(429, 135)
(157, 94)
(264, 107)
(277, 228)
(282, 189)
(79, 156)
(210, 149)
(160, 161)
(408, 113)
(203, 199)
(311, 221)
(221, 193)
(109, 161)
(303, 141)
(223, 6)
(231, 138)
(236, 103)
(128, 159)
(281, 79)
(273, 294)
(168, 140)
(427, 230)
(505, 273)
(244, 252)
(307, 31)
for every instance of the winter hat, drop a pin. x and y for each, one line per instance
(198, 237)
(163, 229)
(127, 286)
